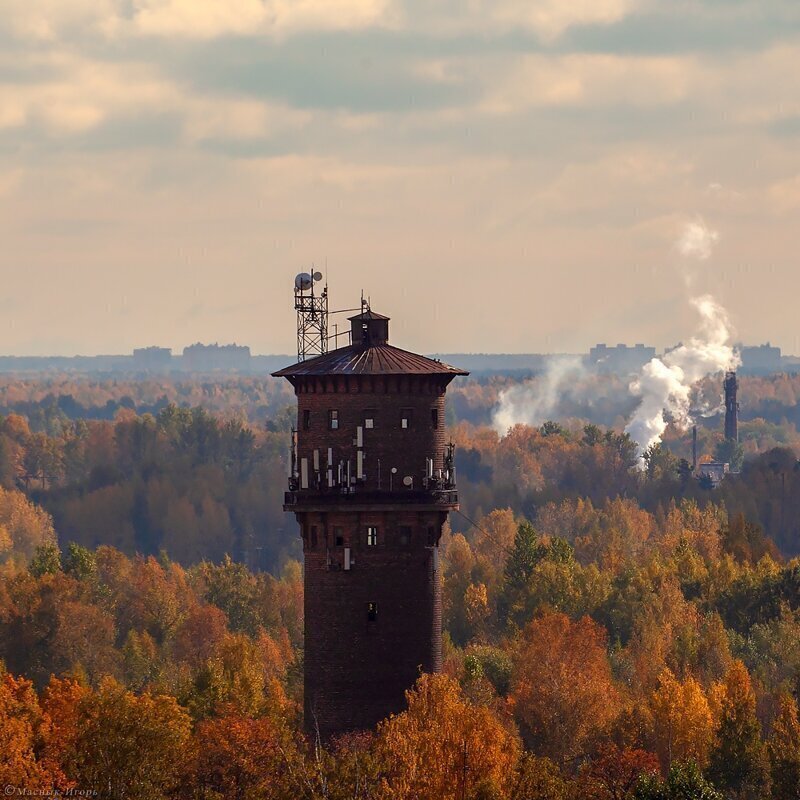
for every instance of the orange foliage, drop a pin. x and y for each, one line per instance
(562, 690)
(443, 746)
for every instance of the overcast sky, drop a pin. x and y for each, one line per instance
(498, 175)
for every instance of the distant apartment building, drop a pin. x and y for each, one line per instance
(202, 357)
(762, 359)
(621, 359)
(148, 358)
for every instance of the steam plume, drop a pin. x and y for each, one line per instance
(534, 402)
(697, 240)
(665, 384)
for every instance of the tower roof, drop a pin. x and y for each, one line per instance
(369, 354)
(378, 359)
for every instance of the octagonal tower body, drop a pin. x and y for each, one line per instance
(371, 483)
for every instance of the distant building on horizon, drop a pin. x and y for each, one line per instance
(621, 359)
(148, 358)
(762, 359)
(201, 357)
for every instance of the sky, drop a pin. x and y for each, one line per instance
(496, 175)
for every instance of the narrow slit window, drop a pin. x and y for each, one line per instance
(434, 418)
(333, 419)
(338, 537)
(369, 419)
(372, 611)
(372, 536)
(405, 535)
(313, 536)
(405, 418)
(306, 419)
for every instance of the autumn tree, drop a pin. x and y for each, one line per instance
(683, 726)
(23, 729)
(539, 778)
(561, 687)
(23, 526)
(784, 751)
(127, 746)
(443, 746)
(614, 773)
(739, 763)
(242, 757)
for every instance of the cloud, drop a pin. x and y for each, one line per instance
(697, 240)
(206, 19)
(550, 18)
(591, 80)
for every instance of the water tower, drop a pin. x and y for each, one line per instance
(372, 479)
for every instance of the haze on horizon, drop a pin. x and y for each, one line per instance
(498, 176)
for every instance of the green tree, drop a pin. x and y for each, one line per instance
(80, 562)
(46, 560)
(684, 782)
(527, 552)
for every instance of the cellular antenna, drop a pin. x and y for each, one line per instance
(312, 315)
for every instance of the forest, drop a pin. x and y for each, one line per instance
(613, 630)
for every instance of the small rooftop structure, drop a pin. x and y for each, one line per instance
(369, 354)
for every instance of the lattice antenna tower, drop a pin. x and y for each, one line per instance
(312, 315)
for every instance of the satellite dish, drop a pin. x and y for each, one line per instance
(303, 281)
(317, 276)
(408, 480)
(394, 470)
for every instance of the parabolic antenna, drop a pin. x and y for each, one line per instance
(408, 480)
(303, 281)
(317, 276)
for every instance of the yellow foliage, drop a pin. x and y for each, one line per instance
(682, 721)
(23, 525)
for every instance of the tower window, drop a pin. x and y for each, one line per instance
(372, 536)
(434, 417)
(372, 611)
(338, 537)
(369, 419)
(313, 536)
(405, 418)
(405, 535)
(306, 419)
(333, 419)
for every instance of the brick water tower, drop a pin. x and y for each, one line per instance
(371, 482)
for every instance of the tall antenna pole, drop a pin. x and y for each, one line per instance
(312, 316)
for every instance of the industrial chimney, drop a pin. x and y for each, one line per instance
(731, 407)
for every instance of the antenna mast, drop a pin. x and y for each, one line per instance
(312, 316)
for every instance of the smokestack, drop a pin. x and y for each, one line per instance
(694, 448)
(731, 407)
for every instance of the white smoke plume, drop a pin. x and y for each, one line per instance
(697, 240)
(534, 402)
(665, 384)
